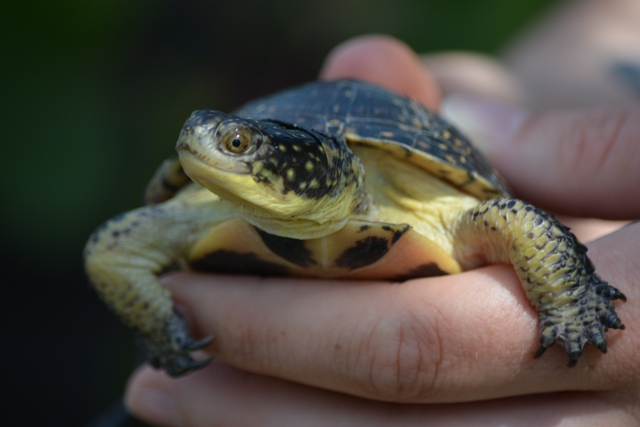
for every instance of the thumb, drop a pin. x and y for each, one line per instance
(576, 162)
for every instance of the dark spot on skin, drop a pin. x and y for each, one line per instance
(425, 270)
(387, 228)
(528, 208)
(363, 253)
(399, 233)
(238, 263)
(511, 204)
(493, 228)
(115, 233)
(293, 250)
(364, 227)
(172, 189)
(171, 268)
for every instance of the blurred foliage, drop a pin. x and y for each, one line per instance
(94, 94)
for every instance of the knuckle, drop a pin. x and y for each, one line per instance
(401, 360)
(603, 138)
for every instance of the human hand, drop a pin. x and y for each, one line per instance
(317, 352)
(579, 53)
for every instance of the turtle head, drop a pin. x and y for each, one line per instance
(270, 169)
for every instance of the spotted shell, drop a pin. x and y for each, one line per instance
(369, 115)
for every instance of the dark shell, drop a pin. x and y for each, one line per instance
(366, 114)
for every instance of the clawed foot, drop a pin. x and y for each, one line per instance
(585, 320)
(170, 349)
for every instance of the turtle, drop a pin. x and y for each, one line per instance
(336, 179)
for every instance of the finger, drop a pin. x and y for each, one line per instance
(462, 337)
(221, 395)
(385, 61)
(582, 163)
(474, 74)
(588, 229)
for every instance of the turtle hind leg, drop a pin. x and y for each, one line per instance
(574, 304)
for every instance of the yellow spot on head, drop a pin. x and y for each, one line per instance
(387, 134)
(295, 148)
(282, 148)
(309, 165)
(291, 174)
(256, 166)
(446, 134)
(314, 183)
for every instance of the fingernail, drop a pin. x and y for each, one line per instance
(156, 406)
(488, 124)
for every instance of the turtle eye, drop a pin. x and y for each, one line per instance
(238, 138)
(238, 143)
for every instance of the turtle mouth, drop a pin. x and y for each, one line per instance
(200, 167)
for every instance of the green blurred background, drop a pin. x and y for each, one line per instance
(93, 95)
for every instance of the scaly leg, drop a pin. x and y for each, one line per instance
(573, 302)
(123, 258)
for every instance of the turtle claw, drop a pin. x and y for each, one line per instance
(584, 320)
(201, 363)
(169, 350)
(540, 352)
(197, 345)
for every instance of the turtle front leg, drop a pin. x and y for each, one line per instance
(123, 258)
(573, 302)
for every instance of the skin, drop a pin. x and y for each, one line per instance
(314, 352)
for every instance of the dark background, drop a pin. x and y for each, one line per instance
(92, 97)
